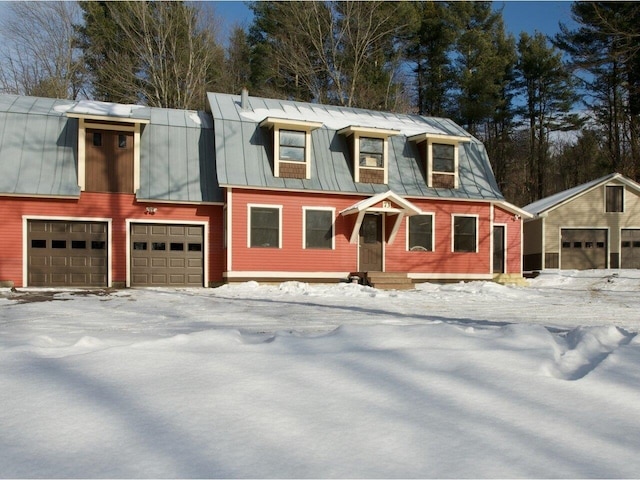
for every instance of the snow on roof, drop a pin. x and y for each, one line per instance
(92, 107)
(339, 118)
(560, 197)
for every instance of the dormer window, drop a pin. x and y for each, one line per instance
(371, 152)
(439, 154)
(291, 146)
(369, 147)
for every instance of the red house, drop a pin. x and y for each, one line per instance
(99, 194)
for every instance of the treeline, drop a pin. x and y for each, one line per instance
(552, 112)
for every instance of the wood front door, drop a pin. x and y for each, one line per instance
(371, 243)
(498, 249)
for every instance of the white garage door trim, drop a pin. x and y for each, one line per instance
(25, 234)
(205, 248)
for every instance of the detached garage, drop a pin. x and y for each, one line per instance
(67, 253)
(592, 226)
(166, 255)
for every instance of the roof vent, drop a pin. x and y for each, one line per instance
(244, 99)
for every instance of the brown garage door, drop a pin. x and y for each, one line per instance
(630, 248)
(583, 249)
(167, 255)
(66, 254)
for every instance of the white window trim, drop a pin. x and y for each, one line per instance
(276, 151)
(262, 205)
(289, 124)
(433, 231)
(453, 231)
(624, 191)
(430, 169)
(385, 156)
(205, 245)
(304, 226)
(25, 257)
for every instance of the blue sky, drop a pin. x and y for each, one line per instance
(519, 16)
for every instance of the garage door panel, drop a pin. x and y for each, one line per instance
(59, 253)
(630, 248)
(169, 260)
(583, 249)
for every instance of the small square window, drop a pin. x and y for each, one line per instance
(195, 247)
(122, 141)
(38, 244)
(158, 246)
(139, 245)
(97, 139)
(58, 244)
(599, 244)
(176, 247)
(78, 244)
(577, 244)
(566, 244)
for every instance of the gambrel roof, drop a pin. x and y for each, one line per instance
(243, 159)
(39, 139)
(554, 201)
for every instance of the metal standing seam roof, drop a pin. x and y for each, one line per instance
(243, 157)
(38, 148)
(552, 201)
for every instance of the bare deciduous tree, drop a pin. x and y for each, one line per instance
(39, 57)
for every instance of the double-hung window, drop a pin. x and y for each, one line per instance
(371, 152)
(265, 226)
(440, 156)
(420, 236)
(291, 146)
(465, 233)
(369, 148)
(318, 228)
(614, 199)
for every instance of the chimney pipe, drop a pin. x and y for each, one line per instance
(244, 99)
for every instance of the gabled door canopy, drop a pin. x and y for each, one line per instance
(387, 202)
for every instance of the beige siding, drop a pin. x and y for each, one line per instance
(588, 211)
(532, 237)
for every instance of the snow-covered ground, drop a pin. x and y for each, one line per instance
(293, 380)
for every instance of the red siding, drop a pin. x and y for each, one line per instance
(292, 257)
(514, 238)
(118, 207)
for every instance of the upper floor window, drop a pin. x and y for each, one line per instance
(465, 233)
(420, 237)
(291, 146)
(369, 148)
(440, 156)
(614, 199)
(371, 152)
